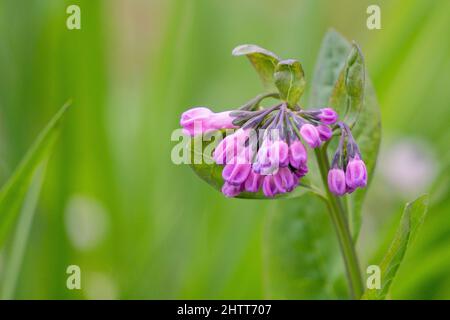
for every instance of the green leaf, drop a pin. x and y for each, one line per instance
(411, 220)
(335, 57)
(367, 132)
(301, 254)
(203, 165)
(331, 60)
(348, 94)
(262, 60)
(13, 192)
(290, 80)
(20, 239)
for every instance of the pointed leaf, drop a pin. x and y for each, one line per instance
(367, 132)
(290, 80)
(333, 52)
(411, 220)
(348, 94)
(262, 60)
(13, 192)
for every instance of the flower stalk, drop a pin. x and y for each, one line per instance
(339, 219)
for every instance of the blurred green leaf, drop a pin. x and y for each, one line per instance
(348, 94)
(331, 60)
(411, 220)
(21, 235)
(262, 60)
(13, 192)
(301, 254)
(367, 132)
(290, 80)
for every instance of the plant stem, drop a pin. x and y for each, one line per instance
(340, 222)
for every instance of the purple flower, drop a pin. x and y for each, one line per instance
(301, 172)
(230, 190)
(272, 156)
(269, 187)
(310, 134)
(204, 120)
(349, 190)
(336, 181)
(221, 120)
(328, 116)
(253, 182)
(192, 116)
(279, 153)
(297, 154)
(236, 173)
(325, 132)
(230, 147)
(356, 173)
(284, 180)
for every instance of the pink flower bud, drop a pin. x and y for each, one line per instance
(279, 153)
(325, 132)
(297, 154)
(204, 120)
(302, 171)
(230, 147)
(269, 188)
(356, 173)
(336, 181)
(272, 156)
(328, 116)
(236, 173)
(230, 190)
(221, 120)
(284, 180)
(194, 117)
(310, 134)
(253, 182)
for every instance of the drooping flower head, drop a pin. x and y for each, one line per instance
(348, 158)
(266, 151)
(275, 160)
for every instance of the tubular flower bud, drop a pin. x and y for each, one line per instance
(297, 154)
(325, 132)
(336, 182)
(253, 182)
(203, 120)
(230, 190)
(310, 135)
(328, 116)
(356, 173)
(236, 173)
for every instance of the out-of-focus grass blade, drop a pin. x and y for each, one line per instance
(13, 192)
(412, 218)
(20, 240)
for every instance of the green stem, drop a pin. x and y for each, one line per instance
(340, 222)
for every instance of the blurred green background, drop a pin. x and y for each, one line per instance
(141, 227)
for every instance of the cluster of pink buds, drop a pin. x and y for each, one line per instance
(266, 151)
(347, 157)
